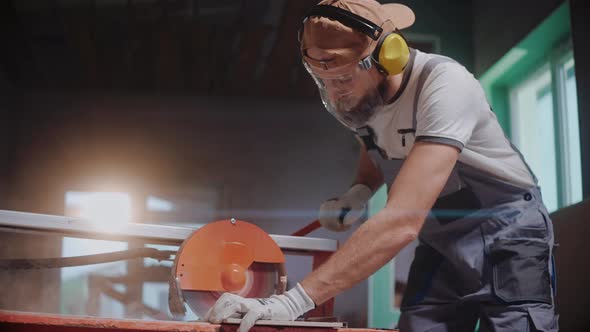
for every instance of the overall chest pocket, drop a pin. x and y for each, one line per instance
(406, 138)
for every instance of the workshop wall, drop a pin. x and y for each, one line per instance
(268, 162)
(449, 21)
(500, 25)
(265, 160)
(257, 160)
(517, 19)
(581, 56)
(23, 290)
(571, 226)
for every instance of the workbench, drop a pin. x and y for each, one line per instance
(16, 321)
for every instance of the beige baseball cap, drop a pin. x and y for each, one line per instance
(343, 43)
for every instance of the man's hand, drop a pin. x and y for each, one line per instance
(340, 213)
(285, 307)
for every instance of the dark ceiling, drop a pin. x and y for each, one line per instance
(155, 47)
(179, 47)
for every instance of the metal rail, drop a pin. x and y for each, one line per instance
(173, 235)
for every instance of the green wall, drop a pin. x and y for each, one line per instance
(522, 59)
(451, 21)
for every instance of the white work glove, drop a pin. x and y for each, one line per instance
(284, 307)
(340, 213)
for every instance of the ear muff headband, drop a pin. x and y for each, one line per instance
(345, 17)
(392, 52)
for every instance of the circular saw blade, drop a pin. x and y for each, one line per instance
(261, 281)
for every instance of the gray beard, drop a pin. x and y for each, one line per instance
(358, 115)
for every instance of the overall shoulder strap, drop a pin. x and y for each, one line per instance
(368, 136)
(426, 70)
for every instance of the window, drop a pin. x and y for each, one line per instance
(570, 128)
(105, 210)
(103, 289)
(544, 127)
(532, 89)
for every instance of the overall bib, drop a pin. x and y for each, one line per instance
(485, 251)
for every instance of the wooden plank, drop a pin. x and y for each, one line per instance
(45, 33)
(83, 26)
(140, 51)
(16, 59)
(16, 321)
(168, 52)
(219, 59)
(200, 37)
(28, 321)
(284, 53)
(70, 23)
(242, 76)
(109, 36)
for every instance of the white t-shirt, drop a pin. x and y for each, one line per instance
(452, 109)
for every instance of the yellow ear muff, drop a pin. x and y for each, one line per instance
(394, 54)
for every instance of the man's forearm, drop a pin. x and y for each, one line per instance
(379, 239)
(372, 245)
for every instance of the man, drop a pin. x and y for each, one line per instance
(455, 183)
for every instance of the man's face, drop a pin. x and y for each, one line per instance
(353, 94)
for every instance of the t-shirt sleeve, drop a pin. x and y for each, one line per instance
(448, 106)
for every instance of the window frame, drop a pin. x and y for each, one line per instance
(549, 42)
(553, 62)
(558, 79)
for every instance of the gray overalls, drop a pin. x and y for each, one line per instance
(485, 251)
